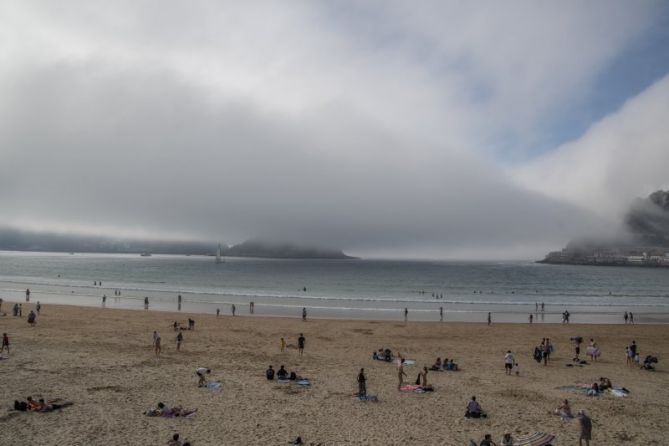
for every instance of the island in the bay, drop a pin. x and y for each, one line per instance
(646, 242)
(16, 240)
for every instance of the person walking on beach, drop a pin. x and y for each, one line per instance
(625, 316)
(5, 343)
(362, 383)
(441, 314)
(218, 312)
(27, 294)
(234, 309)
(156, 343)
(252, 307)
(283, 345)
(20, 310)
(180, 338)
(508, 362)
(179, 299)
(531, 317)
(400, 375)
(104, 299)
(542, 307)
(38, 307)
(536, 307)
(585, 423)
(146, 302)
(300, 344)
(489, 318)
(547, 351)
(406, 314)
(304, 314)
(631, 318)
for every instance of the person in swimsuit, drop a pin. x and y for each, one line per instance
(283, 345)
(156, 343)
(400, 375)
(300, 344)
(362, 383)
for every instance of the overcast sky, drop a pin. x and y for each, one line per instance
(412, 128)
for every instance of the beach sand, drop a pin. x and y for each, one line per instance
(102, 360)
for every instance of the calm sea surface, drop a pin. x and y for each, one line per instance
(352, 289)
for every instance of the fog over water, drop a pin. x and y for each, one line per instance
(383, 129)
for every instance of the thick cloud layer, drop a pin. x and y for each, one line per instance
(363, 127)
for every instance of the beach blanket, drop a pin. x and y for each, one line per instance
(214, 385)
(372, 398)
(406, 362)
(535, 439)
(411, 388)
(593, 351)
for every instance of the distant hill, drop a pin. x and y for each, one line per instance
(257, 248)
(15, 240)
(646, 244)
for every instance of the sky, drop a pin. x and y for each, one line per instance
(422, 129)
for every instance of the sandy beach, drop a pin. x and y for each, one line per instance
(102, 360)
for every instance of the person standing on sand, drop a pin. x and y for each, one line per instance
(585, 423)
(625, 316)
(300, 344)
(400, 375)
(531, 317)
(362, 383)
(180, 338)
(304, 314)
(234, 309)
(146, 302)
(20, 310)
(631, 318)
(441, 314)
(252, 307)
(406, 314)
(508, 362)
(283, 345)
(489, 318)
(38, 307)
(5, 343)
(156, 343)
(27, 294)
(218, 312)
(542, 307)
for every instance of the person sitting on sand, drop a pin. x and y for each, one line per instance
(507, 440)
(388, 355)
(282, 373)
(31, 317)
(594, 390)
(269, 373)
(201, 372)
(604, 383)
(438, 365)
(474, 409)
(487, 441)
(564, 410)
(451, 365)
(174, 441)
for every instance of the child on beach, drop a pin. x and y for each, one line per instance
(5, 343)
(156, 343)
(180, 338)
(201, 372)
(508, 362)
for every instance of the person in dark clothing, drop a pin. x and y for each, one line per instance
(362, 383)
(300, 344)
(269, 373)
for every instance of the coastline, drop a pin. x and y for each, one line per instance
(345, 309)
(101, 359)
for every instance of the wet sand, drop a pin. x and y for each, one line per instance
(102, 360)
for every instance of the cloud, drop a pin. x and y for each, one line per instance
(363, 126)
(622, 157)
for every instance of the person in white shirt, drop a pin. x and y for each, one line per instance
(201, 372)
(508, 362)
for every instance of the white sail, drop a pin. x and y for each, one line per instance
(218, 254)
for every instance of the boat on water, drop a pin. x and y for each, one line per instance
(145, 254)
(219, 259)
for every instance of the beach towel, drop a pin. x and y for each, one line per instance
(535, 439)
(214, 385)
(411, 388)
(593, 351)
(406, 361)
(303, 382)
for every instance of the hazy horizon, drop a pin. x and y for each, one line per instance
(430, 129)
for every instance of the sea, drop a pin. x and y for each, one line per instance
(340, 289)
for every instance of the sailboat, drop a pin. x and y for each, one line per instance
(218, 254)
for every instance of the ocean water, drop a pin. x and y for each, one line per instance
(352, 289)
